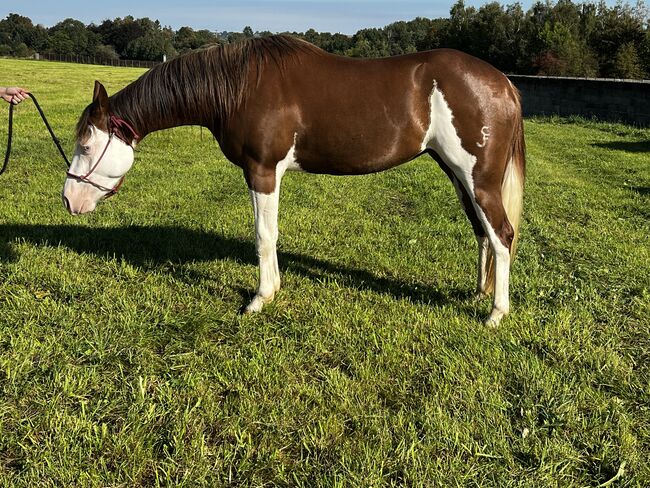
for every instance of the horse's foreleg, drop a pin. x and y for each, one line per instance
(264, 187)
(265, 208)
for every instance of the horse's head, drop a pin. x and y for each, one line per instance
(103, 154)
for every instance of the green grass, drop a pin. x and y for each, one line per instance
(124, 362)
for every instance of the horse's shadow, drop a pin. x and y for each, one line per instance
(157, 246)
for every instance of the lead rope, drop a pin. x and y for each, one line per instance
(47, 124)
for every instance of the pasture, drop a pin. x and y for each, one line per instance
(124, 361)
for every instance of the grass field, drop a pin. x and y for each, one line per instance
(124, 362)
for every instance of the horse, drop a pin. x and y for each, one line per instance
(278, 104)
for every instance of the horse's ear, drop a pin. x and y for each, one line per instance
(100, 96)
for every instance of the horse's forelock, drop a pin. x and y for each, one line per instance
(90, 116)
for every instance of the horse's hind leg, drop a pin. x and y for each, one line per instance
(482, 286)
(498, 235)
(480, 178)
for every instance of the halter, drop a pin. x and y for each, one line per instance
(116, 127)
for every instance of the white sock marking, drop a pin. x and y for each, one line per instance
(265, 208)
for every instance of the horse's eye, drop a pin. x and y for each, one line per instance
(85, 149)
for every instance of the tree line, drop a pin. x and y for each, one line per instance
(559, 39)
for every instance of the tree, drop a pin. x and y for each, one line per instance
(616, 27)
(563, 38)
(369, 43)
(22, 51)
(185, 39)
(627, 63)
(60, 43)
(106, 53)
(151, 47)
(119, 33)
(16, 29)
(205, 37)
(565, 54)
(70, 37)
(644, 52)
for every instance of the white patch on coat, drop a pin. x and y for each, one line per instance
(485, 132)
(441, 136)
(289, 162)
(265, 209)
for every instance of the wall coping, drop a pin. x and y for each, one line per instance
(617, 80)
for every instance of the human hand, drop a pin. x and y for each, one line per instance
(14, 94)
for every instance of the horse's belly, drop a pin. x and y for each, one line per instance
(358, 152)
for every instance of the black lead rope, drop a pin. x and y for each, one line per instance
(9, 133)
(47, 124)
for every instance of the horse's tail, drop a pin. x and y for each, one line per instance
(512, 190)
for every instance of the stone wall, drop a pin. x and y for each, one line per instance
(606, 99)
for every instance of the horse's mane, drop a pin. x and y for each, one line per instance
(203, 85)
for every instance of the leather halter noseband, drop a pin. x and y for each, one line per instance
(116, 127)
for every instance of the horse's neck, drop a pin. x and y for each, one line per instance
(148, 113)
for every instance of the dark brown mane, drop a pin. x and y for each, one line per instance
(202, 87)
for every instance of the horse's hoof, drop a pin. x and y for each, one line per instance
(256, 304)
(495, 318)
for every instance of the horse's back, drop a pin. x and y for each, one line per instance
(351, 116)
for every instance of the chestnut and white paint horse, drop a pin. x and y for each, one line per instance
(278, 103)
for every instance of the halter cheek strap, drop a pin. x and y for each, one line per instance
(120, 127)
(117, 128)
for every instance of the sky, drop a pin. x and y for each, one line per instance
(345, 16)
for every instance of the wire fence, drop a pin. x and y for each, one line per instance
(130, 63)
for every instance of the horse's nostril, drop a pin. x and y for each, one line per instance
(66, 203)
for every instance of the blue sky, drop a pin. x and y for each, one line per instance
(346, 16)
